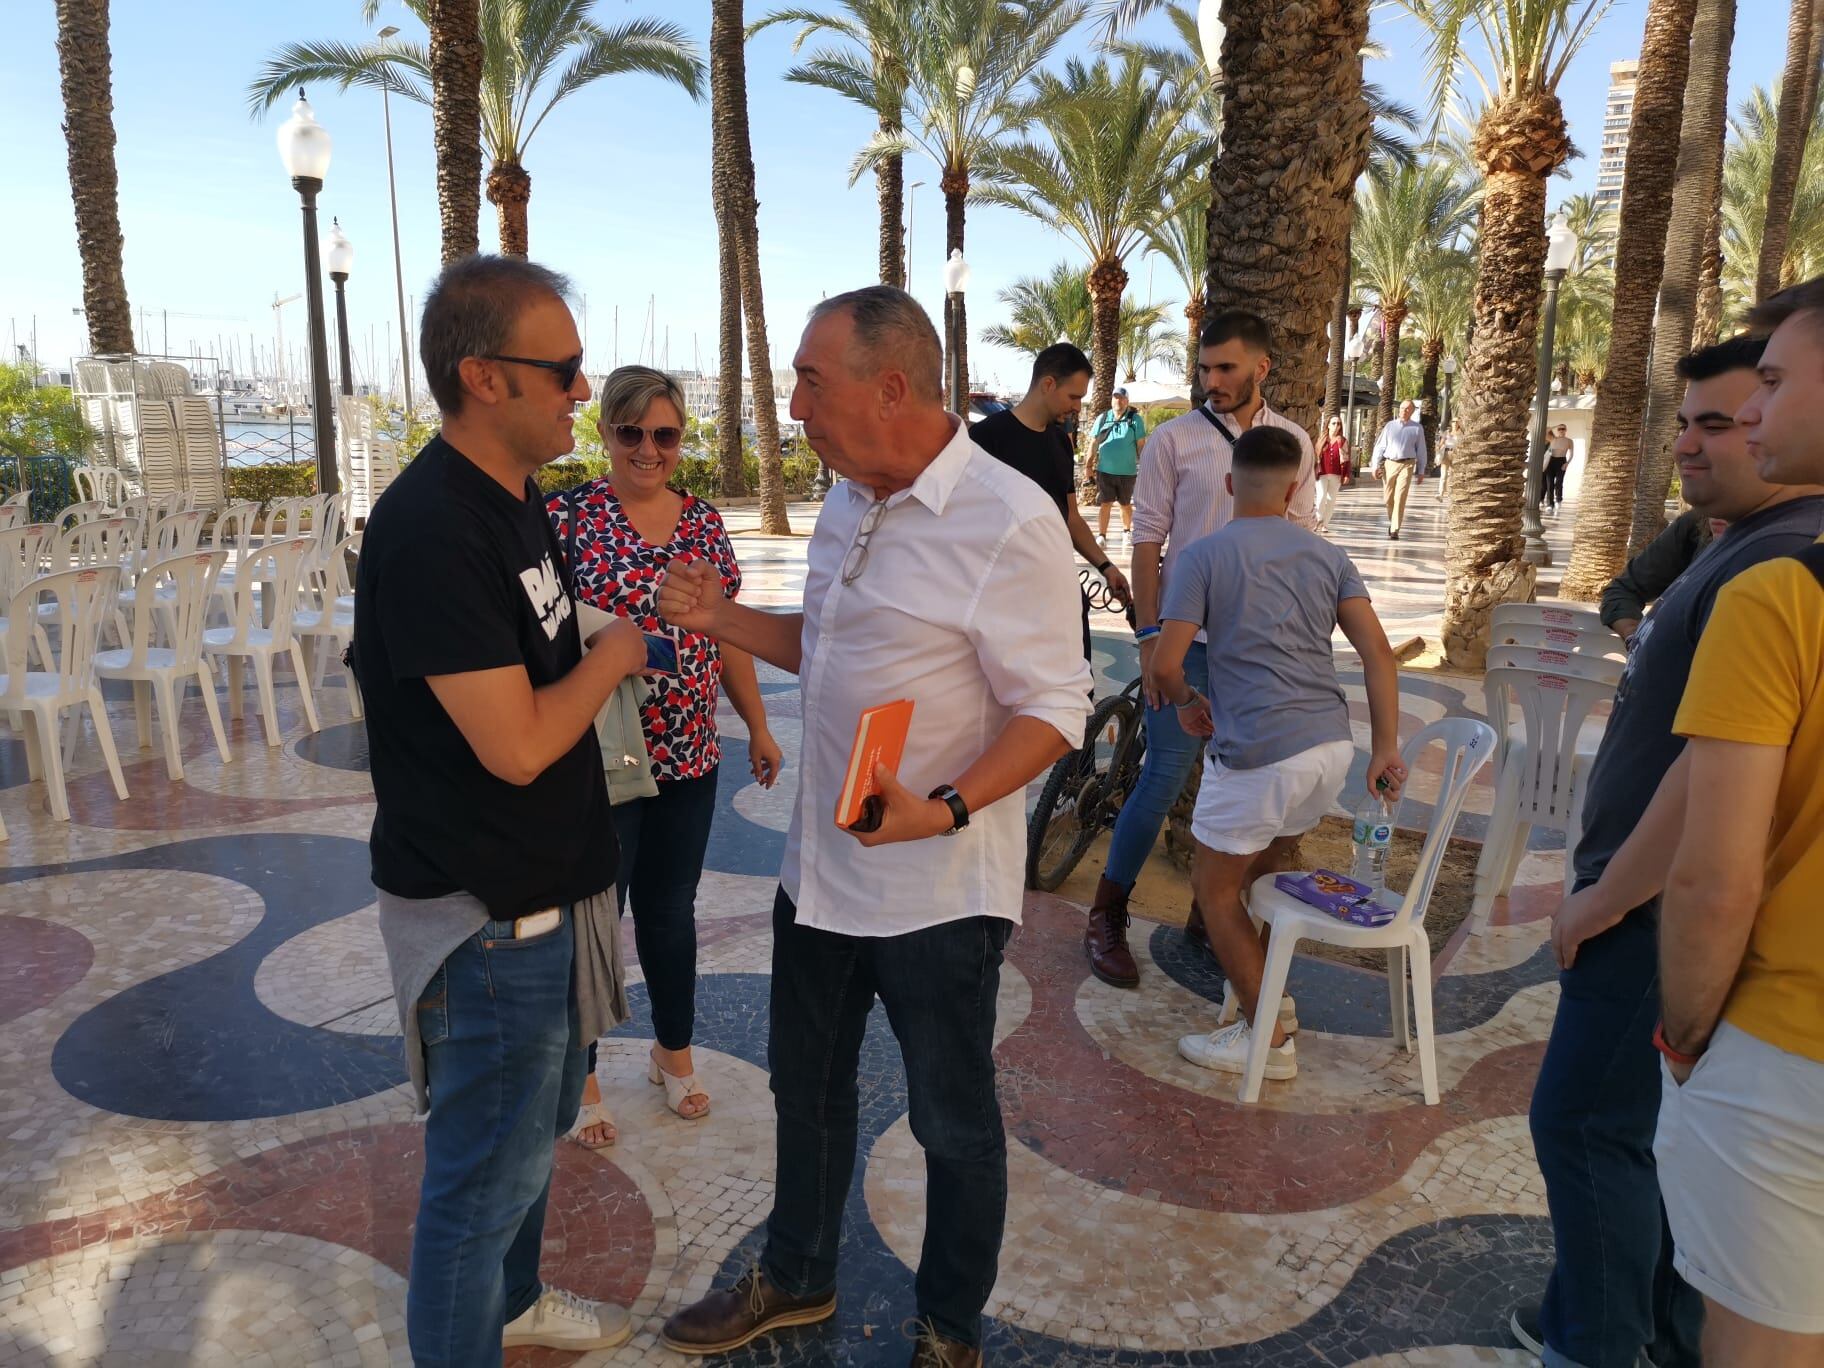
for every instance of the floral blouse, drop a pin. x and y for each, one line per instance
(617, 570)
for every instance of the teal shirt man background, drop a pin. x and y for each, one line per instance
(1116, 442)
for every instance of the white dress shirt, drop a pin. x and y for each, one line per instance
(1400, 441)
(1181, 495)
(967, 605)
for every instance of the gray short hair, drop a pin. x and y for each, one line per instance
(892, 332)
(628, 391)
(471, 310)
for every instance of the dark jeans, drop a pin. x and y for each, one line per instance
(938, 986)
(505, 1070)
(1553, 489)
(663, 840)
(1595, 1107)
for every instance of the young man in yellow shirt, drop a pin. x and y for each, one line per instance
(1740, 1145)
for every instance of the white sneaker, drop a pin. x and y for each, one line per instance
(563, 1320)
(1288, 1015)
(1226, 1050)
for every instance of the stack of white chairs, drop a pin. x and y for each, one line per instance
(200, 439)
(1572, 640)
(161, 459)
(279, 566)
(1540, 772)
(369, 460)
(325, 620)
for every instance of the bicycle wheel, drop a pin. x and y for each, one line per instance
(1074, 804)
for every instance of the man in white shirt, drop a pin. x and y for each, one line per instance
(1180, 497)
(1399, 463)
(939, 575)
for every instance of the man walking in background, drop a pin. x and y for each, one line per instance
(1115, 444)
(1181, 496)
(1399, 463)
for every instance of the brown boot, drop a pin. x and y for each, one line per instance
(932, 1350)
(1195, 931)
(1105, 938)
(726, 1320)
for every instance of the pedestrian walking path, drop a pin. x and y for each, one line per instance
(210, 1154)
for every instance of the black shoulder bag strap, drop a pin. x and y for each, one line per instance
(570, 536)
(1812, 558)
(1216, 423)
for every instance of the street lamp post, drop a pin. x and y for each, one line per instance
(905, 254)
(1450, 375)
(304, 148)
(1560, 251)
(1353, 349)
(956, 280)
(405, 336)
(341, 260)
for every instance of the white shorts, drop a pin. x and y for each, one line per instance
(1242, 811)
(1741, 1167)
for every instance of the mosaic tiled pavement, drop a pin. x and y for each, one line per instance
(210, 1155)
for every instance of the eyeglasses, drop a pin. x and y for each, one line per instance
(630, 436)
(566, 371)
(857, 559)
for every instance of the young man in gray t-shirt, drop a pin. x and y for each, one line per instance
(1269, 594)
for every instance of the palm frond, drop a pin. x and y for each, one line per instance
(344, 65)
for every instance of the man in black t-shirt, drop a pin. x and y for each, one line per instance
(492, 846)
(1031, 438)
(1613, 1296)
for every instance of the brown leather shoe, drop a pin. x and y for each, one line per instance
(726, 1320)
(932, 1350)
(1105, 938)
(1195, 931)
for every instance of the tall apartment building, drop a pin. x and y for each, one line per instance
(1616, 119)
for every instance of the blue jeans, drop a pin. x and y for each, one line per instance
(505, 1070)
(938, 986)
(1171, 755)
(1612, 1291)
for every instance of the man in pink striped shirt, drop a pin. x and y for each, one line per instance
(1180, 497)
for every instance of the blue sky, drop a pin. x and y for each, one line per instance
(620, 184)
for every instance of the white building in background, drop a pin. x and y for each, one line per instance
(1618, 116)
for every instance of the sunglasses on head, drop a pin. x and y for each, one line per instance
(629, 435)
(566, 371)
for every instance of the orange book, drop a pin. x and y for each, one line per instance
(880, 741)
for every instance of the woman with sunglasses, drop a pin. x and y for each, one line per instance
(620, 532)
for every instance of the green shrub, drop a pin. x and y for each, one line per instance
(264, 483)
(696, 474)
(40, 420)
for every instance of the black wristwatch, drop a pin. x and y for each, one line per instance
(1104, 568)
(959, 810)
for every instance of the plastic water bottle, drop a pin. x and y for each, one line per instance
(1373, 834)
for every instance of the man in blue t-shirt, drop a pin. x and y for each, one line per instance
(1270, 594)
(1613, 1295)
(1115, 444)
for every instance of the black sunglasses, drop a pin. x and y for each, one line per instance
(629, 435)
(566, 371)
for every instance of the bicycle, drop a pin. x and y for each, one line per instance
(1084, 792)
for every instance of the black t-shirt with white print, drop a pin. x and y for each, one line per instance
(457, 575)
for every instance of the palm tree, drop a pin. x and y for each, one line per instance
(738, 215)
(1520, 140)
(1690, 295)
(1120, 143)
(1798, 86)
(1183, 239)
(1595, 225)
(1403, 217)
(1440, 311)
(967, 66)
(1044, 309)
(85, 65)
(1605, 511)
(523, 44)
(1747, 173)
(1146, 337)
(876, 81)
(456, 58)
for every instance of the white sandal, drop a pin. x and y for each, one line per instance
(593, 1114)
(677, 1090)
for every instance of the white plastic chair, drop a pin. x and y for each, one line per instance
(20, 550)
(323, 622)
(86, 511)
(13, 515)
(281, 565)
(233, 534)
(101, 541)
(18, 506)
(173, 594)
(1545, 615)
(81, 600)
(1468, 746)
(1539, 774)
(1577, 641)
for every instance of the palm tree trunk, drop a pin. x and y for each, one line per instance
(735, 179)
(84, 64)
(1788, 146)
(509, 191)
(1655, 153)
(1295, 132)
(891, 182)
(1107, 279)
(1193, 316)
(1393, 320)
(456, 54)
(1693, 252)
(731, 453)
(1518, 144)
(1339, 338)
(955, 185)
(1431, 356)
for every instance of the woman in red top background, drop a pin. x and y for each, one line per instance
(1334, 470)
(620, 532)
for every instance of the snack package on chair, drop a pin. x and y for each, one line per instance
(1348, 900)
